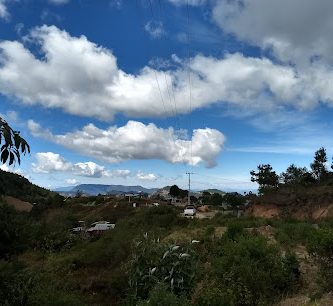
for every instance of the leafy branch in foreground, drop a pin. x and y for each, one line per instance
(12, 144)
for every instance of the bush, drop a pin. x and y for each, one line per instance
(15, 285)
(291, 233)
(249, 271)
(321, 247)
(12, 231)
(154, 262)
(161, 296)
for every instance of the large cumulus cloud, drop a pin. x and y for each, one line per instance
(82, 78)
(137, 141)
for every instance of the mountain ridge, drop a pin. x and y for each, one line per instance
(95, 189)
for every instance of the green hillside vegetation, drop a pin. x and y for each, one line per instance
(297, 186)
(156, 257)
(19, 187)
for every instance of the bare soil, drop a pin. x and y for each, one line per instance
(18, 204)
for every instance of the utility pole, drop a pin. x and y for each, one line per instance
(189, 187)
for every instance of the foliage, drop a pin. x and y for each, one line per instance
(318, 166)
(12, 231)
(265, 177)
(177, 192)
(234, 199)
(206, 196)
(216, 199)
(163, 217)
(321, 246)
(154, 262)
(290, 233)
(13, 145)
(161, 296)
(174, 191)
(22, 286)
(18, 186)
(249, 271)
(15, 285)
(294, 175)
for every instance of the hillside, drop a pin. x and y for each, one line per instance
(214, 191)
(301, 202)
(17, 186)
(216, 259)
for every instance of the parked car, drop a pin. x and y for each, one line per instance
(190, 211)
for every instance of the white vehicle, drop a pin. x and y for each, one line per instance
(100, 226)
(190, 211)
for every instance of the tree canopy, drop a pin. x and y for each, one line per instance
(266, 177)
(294, 175)
(177, 192)
(318, 166)
(12, 144)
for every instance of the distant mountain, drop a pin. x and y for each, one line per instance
(95, 189)
(214, 191)
(63, 189)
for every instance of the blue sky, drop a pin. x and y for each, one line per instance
(142, 91)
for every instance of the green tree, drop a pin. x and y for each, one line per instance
(294, 175)
(206, 196)
(174, 191)
(234, 199)
(216, 199)
(266, 177)
(12, 144)
(318, 166)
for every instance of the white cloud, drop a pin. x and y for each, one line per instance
(89, 169)
(59, 2)
(3, 9)
(155, 29)
(84, 79)
(188, 2)
(48, 162)
(137, 141)
(11, 169)
(72, 182)
(146, 176)
(296, 30)
(121, 173)
(4, 167)
(116, 3)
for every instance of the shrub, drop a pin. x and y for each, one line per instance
(321, 247)
(161, 296)
(291, 233)
(249, 271)
(12, 231)
(15, 285)
(154, 262)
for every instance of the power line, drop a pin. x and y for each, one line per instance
(169, 87)
(173, 113)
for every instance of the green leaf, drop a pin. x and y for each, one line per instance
(11, 159)
(4, 156)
